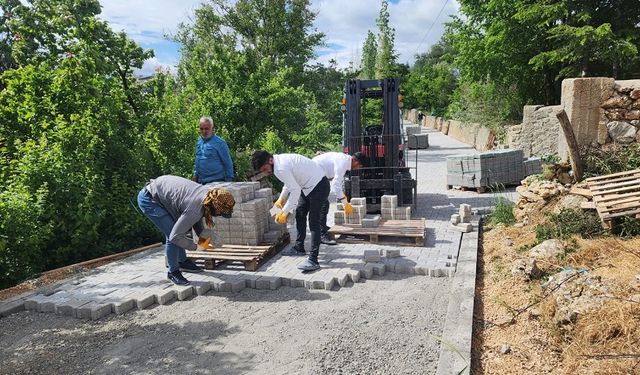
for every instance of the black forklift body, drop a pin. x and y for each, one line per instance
(383, 145)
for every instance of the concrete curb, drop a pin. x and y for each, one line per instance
(455, 348)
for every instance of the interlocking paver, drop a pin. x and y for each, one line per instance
(140, 281)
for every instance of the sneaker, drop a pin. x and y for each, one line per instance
(295, 251)
(177, 278)
(190, 266)
(325, 239)
(308, 265)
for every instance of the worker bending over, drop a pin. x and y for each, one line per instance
(307, 187)
(335, 166)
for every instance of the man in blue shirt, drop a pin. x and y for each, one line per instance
(213, 159)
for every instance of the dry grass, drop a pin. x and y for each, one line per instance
(603, 341)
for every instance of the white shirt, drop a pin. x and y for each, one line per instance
(299, 175)
(335, 166)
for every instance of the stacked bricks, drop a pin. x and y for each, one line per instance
(250, 224)
(532, 166)
(414, 137)
(359, 212)
(504, 167)
(462, 220)
(391, 211)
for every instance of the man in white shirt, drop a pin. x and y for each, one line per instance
(335, 166)
(307, 187)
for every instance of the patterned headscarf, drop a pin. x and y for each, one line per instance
(217, 202)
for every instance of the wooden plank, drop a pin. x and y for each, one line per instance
(572, 145)
(619, 207)
(605, 198)
(626, 213)
(580, 191)
(598, 178)
(617, 179)
(588, 205)
(612, 186)
(620, 201)
(623, 189)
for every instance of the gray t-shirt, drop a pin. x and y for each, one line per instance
(182, 198)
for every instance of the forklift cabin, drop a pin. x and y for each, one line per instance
(387, 171)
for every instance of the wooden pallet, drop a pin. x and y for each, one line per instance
(477, 189)
(392, 232)
(616, 195)
(251, 257)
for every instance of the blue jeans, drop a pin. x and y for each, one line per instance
(161, 218)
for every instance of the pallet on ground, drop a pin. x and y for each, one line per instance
(616, 195)
(395, 232)
(477, 189)
(251, 257)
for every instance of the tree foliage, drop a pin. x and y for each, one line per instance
(369, 57)
(386, 57)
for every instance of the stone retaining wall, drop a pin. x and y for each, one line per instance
(601, 110)
(476, 135)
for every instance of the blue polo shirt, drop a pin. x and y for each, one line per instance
(213, 160)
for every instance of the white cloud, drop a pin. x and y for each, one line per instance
(345, 24)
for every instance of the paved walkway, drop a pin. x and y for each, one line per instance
(140, 281)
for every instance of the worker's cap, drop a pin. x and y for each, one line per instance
(361, 158)
(222, 202)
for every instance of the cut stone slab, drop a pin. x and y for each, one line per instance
(392, 253)
(372, 256)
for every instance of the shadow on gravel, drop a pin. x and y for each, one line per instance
(477, 339)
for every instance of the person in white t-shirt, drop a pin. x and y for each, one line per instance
(307, 187)
(335, 166)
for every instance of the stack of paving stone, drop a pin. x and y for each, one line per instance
(390, 210)
(532, 166)
(462, 220)
(359, 212)
(250, 223)
(415, 139)
(503, 167)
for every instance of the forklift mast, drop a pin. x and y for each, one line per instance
(382, 144)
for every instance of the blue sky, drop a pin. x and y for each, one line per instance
(418, 24)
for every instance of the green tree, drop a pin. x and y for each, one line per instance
(386, 58)
(74, 139)
(369, 57)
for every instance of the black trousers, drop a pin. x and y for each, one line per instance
(311, 206)
(323, 218)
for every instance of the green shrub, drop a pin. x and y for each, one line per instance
(629, 227)
(503, 212)
(609, 159)
(567, 223)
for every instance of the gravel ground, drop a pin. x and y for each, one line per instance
(382, 326)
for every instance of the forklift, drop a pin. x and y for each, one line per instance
(383, 144)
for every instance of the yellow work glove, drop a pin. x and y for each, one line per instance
(281, 218)
(204, 242)
(280, 203)
(348, 208)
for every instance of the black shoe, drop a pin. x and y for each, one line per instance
(295, 251)
(177, 278)
(309, 265)
(190, 266)
(325, 239)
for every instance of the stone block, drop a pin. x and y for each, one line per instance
(463, 227)
(455, 219)
(392, 253)
(389, 201)
(388, 213)
(338, 217)
(402, 213)
(372, 256)
(371, 221)
(358, 201)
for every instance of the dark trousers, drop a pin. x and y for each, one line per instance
(311, 206)
(323, 218)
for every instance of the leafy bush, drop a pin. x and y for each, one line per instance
(503, 212)
(567, 223)
(610, 158)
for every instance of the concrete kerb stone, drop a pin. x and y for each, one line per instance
(458, 325)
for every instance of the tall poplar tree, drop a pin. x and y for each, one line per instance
(386, 59)
(369, 54)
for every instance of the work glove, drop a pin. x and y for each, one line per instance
(281, 218)
(280, 203)
(348, 208)
(204, 241)
(199, 247)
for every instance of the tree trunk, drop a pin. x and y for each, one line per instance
(574, 154)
